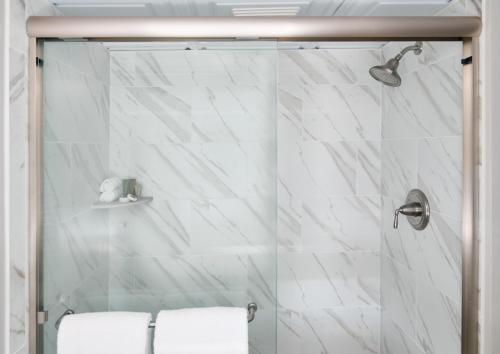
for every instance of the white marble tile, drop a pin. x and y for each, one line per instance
(438, 321)
(316, 280)
(122, 69)
(327, 168)
(17, 25)
(428, 103)
(159, 228)
(76, 106)
(366, 59)
(17, 306)
(399, 244)
(261, 168)
(410, 61)
(234, 112)
(399, 167)
(232, 225)
(368, 167)
(211, 279)
(215, 170)
(290, 107)
(440, 174)
(57, 201)
(312, 66)
(341, 224)
(395, 341)
(262, 331)
(398, 294)
(262, 281)
(87, 58)
(289, 219)
(436, 51)
(289, 331)
(79, 245)
(440, 255)
(341, 330)
(154, 114)
(89, 168)
(341, 112)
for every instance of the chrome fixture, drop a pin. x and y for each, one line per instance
(416, 209)
(251, 308)
(65, 313)
(388, 73)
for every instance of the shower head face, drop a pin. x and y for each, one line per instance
(387, 73)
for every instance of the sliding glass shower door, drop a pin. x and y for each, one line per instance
(194, 124)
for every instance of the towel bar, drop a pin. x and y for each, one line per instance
(251, 307)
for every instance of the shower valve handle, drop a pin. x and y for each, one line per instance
(410, 209)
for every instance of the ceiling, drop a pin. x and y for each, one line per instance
(250, 7)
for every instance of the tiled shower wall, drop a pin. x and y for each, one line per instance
(329, 124)
(197, 129)
(75, 154)
(422, 148)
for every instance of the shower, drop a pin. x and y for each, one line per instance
(388, 73)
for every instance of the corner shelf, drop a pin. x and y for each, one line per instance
(117, 204)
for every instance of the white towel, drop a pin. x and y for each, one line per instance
(110, 184)
(104, 333)
(215, 330)
(108, 197)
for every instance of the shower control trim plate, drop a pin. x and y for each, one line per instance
(416, 209)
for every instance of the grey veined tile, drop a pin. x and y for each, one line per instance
(399, 167)
(398, 297)
(395, 341)
(440, 174)
(317, 280)
(399, 244)
(341, 112)
(349, 330)
(440, 255)
(438, 321)
(427, 104)
(341, 224)
(76, 106)
(57, 203)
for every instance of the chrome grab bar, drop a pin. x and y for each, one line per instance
(251, 308)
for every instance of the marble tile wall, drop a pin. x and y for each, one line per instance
(329, 171)
(76, 130)
(421, 148)
(197, 128)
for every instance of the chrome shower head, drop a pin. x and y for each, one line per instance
(388, 73)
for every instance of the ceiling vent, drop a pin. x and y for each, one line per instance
(268, 8)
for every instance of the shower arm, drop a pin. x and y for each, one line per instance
(416, 48)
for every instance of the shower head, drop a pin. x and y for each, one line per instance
(388, 72)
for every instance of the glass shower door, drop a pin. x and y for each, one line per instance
(195, 125)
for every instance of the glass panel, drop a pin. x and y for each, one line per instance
(196, 129)
(349, 151)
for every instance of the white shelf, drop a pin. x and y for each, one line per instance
(118, 204)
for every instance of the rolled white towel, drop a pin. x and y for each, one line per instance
(110, 184)
(108, 197)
